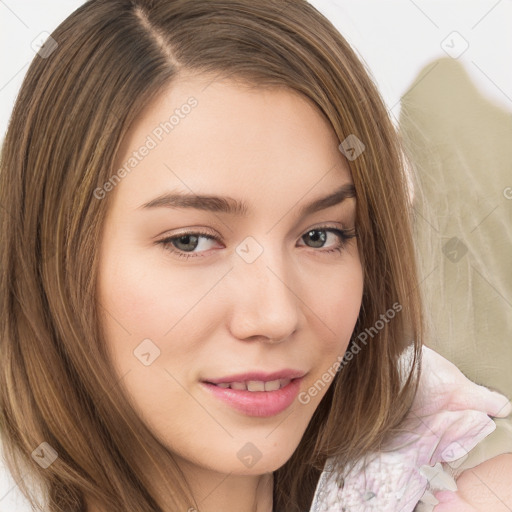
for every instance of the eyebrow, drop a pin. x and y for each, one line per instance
(232, 206)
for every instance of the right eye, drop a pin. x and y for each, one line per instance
(185, 239)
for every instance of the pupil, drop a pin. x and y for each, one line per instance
(320, 237)
(185, 239)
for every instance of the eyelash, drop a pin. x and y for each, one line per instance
(344, 234)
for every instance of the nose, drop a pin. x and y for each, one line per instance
(265, 306)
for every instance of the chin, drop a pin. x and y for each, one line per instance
(248, 460)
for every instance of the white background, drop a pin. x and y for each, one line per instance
(397, 39)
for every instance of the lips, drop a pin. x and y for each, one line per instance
(257, 393)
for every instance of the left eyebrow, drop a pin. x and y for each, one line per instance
(232, 206)
(345, 192)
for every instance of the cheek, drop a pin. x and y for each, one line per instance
(148, 298)
(151, 307)
(339, 304)
(154, 321)
(340, 301)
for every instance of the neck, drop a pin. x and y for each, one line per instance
(232, 493)
(229, 493)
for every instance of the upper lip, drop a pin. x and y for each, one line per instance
(259, 376)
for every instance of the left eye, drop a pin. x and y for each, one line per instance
(184, 245)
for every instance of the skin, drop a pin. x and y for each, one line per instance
(482, 488)
(295, 306)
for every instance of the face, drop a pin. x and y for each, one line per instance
(197, 297)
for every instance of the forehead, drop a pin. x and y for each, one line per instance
(223, 137)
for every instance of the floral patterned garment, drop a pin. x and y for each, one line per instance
(449, 417)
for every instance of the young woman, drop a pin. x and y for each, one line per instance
(209, 295)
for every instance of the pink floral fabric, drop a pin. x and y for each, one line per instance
(449, 417)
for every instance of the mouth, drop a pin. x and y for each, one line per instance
(262, 397)
(254, 385)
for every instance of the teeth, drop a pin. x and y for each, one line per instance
(272, 385)
(256, 385)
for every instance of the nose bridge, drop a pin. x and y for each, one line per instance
(263, 303)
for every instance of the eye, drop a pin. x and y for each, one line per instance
(318, 236)
(184, 245)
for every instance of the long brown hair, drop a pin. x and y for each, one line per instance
(75, 107)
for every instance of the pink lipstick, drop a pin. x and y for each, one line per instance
(257, 394)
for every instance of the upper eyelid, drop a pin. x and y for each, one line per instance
(206, 233)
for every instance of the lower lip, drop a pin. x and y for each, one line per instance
(257, 403)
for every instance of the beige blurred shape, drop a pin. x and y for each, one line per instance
(461, 148)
